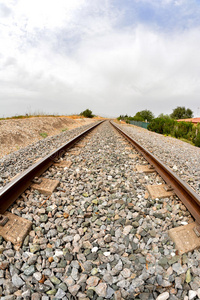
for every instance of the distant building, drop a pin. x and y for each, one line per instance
(195, 121)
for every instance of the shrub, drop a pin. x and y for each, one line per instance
(196, 135)
(168, 126)
(87, 113)
(161, 125)
(181, 130)
(197, 140)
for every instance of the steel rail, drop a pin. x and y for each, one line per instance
(184, 192)
(10, 192)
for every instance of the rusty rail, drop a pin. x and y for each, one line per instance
(184, 192)
(17, 186)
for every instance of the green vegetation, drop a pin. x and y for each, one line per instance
(197, 138)
(144, 115)
(43, 134)
(181, 113)
(186, 141)
(28, 116)
(164, 116)
(162, 125)
(125, 118)
(65, 129)
(15, 117)
(87, 113)
(181, 130)
(167, 124)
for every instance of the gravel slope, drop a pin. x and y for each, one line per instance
(19, 133)
(18, 161)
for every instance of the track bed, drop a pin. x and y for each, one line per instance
(99, 235)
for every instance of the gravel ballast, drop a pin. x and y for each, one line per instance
(18, 161)
(181, 157)
(99, 235)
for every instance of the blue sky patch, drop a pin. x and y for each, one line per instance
(166, 16)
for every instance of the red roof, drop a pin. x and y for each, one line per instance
(193, 120)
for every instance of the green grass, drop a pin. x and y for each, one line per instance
(181, 139)
(65, 129)
(43, 134)
(27, 116)
(187, 141)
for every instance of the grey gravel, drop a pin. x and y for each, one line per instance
(18, 161)
(102, 237)
(181, 157)
(17, 281)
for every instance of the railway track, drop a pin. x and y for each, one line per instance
(185, 193)
(99, 234)
(15, 188)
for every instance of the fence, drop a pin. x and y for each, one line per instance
(140, 124)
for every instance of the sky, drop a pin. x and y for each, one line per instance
(110, 56)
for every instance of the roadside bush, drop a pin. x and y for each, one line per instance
(161, 125)
(196, 135)
(157, 125)
(181, 130)
(168, 126)
(197, 140)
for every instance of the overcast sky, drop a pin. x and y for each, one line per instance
(111, 56)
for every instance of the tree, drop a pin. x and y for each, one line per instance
(144, 115)
(87, 113)
(180, 112)
(138, 117)
(163, 116)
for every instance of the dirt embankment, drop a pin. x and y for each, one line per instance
(18, 133)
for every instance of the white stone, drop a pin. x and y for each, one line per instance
(126, 273)
(58, 253)
(163, 296)
(76, 238)
(17, 281)
(127, 229)
(106, 253)
(95, 249)
(37, 276)
(74, 289)
(101, 289)
(192, 294)
(184, 223)
(53, 206)
(60, 294)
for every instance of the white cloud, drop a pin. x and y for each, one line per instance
(4, 10)
(66, 56)
(42, 14)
